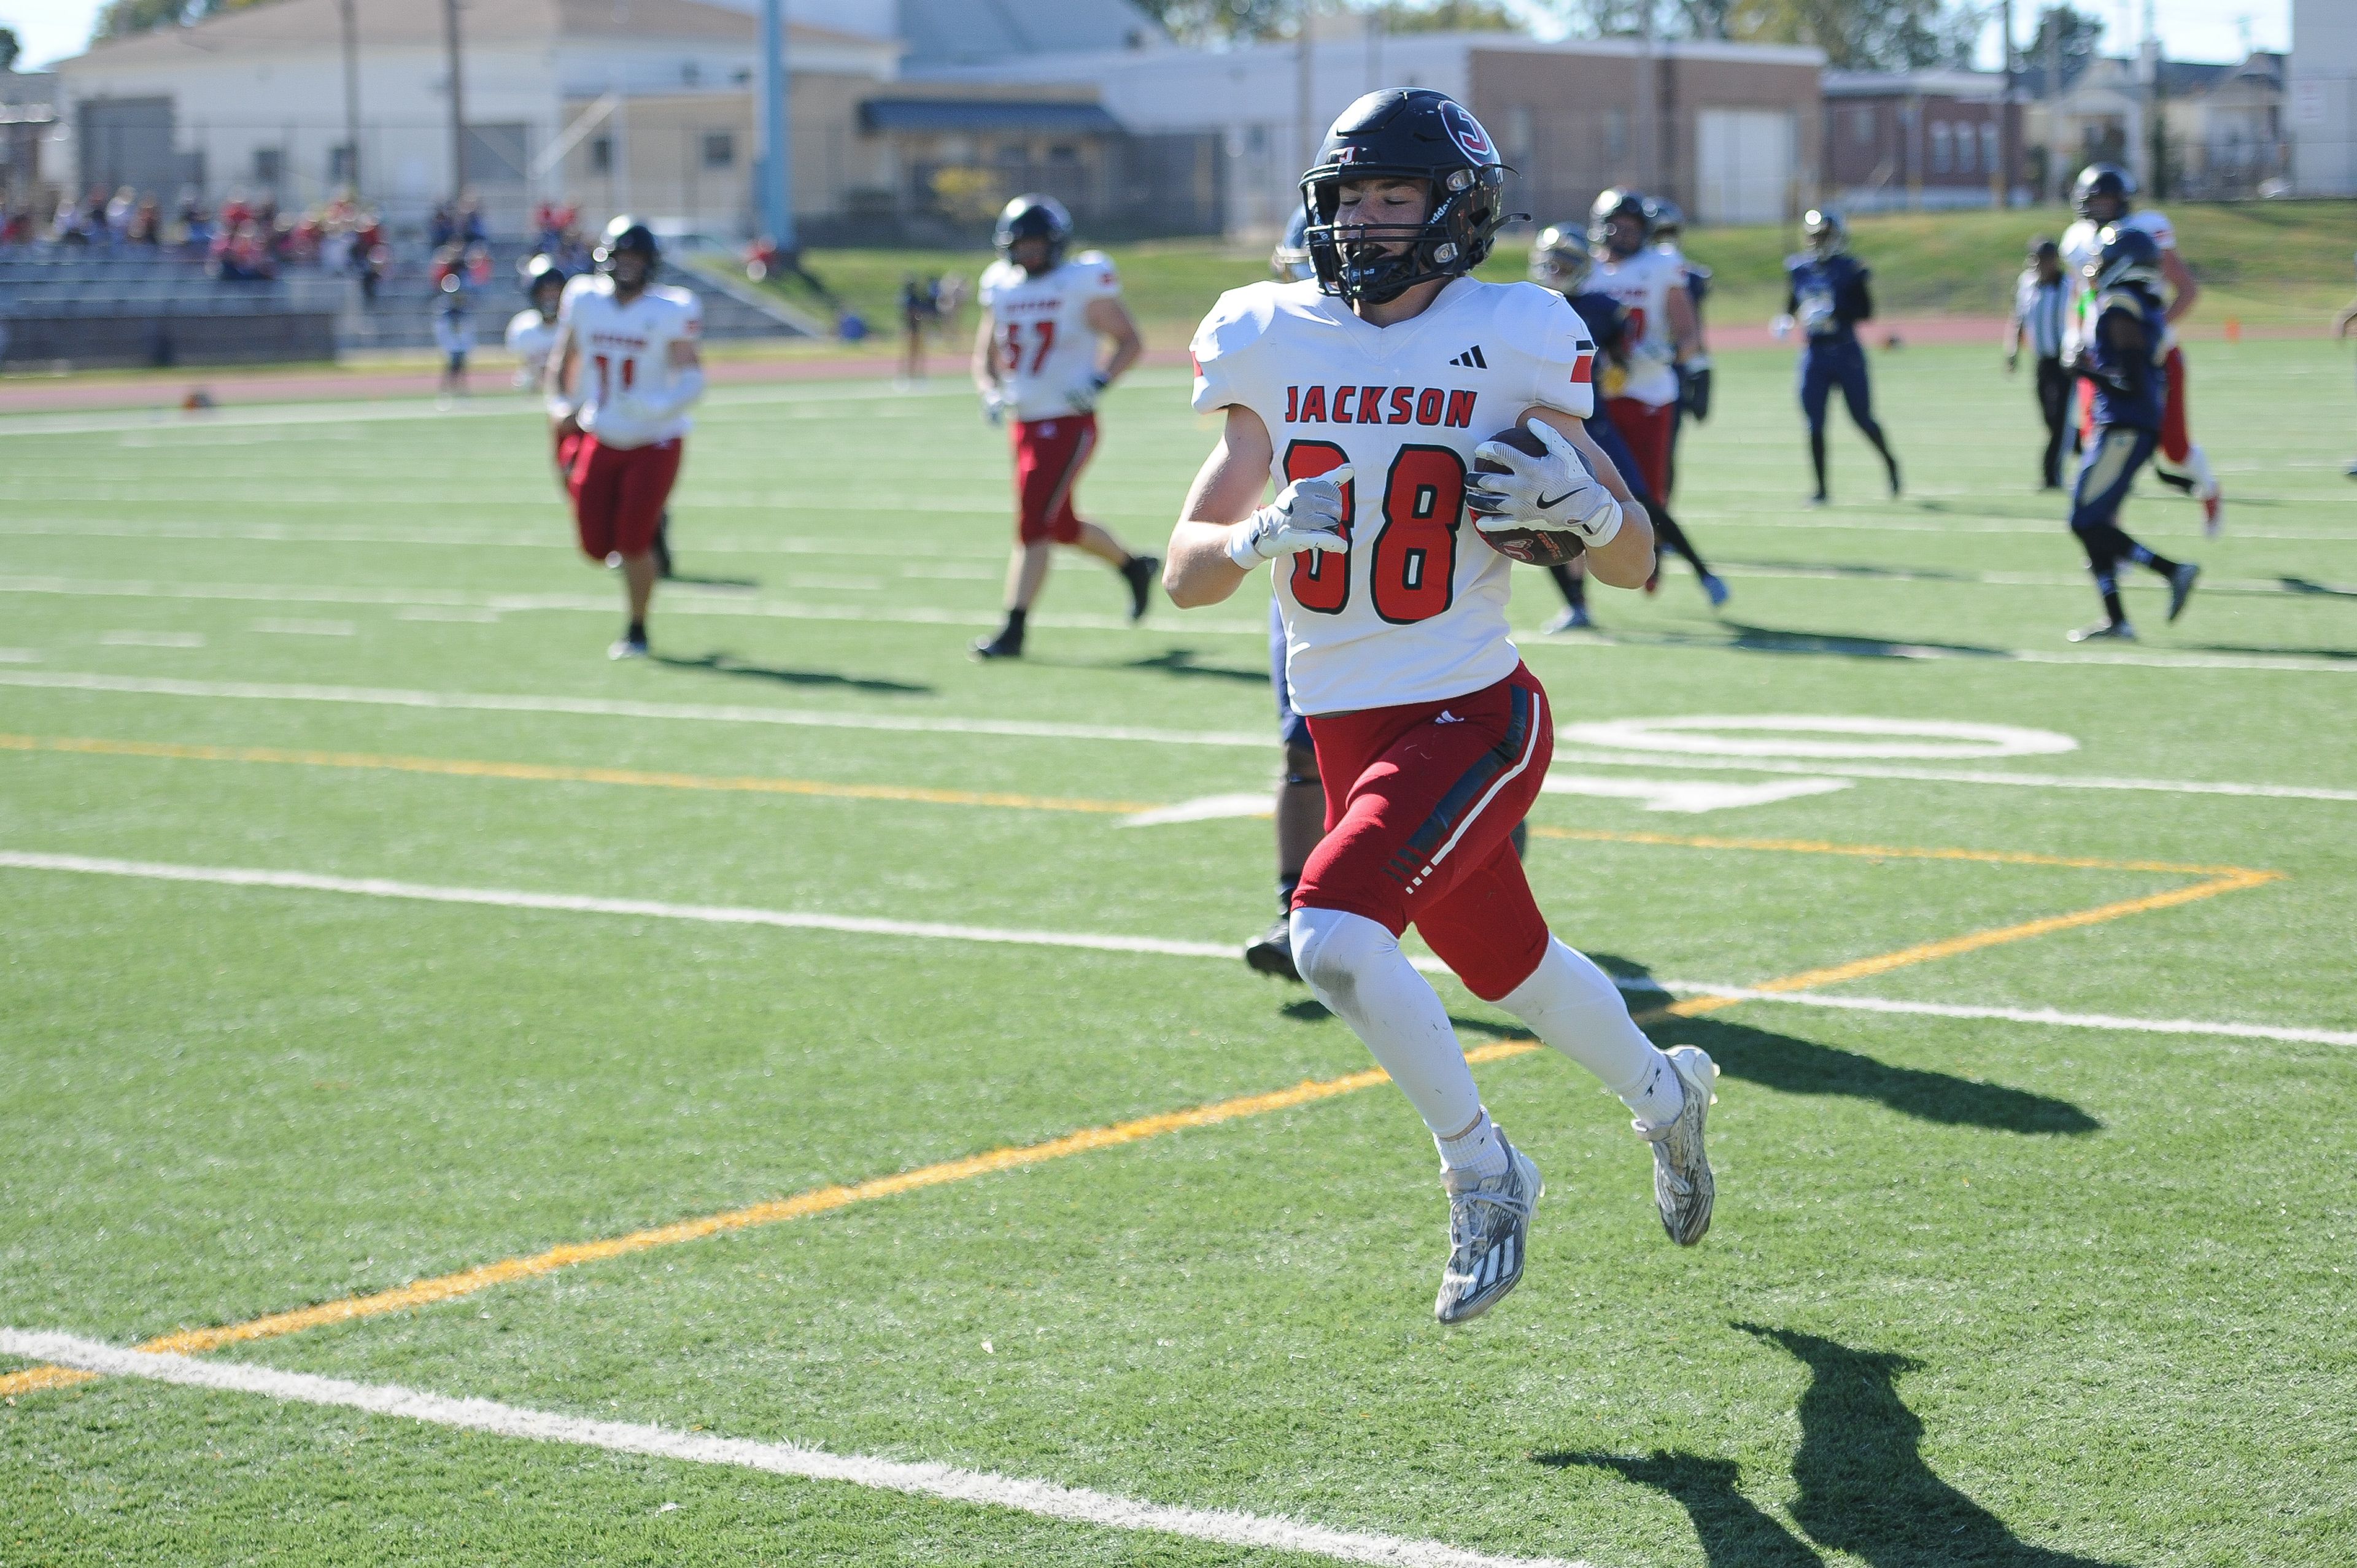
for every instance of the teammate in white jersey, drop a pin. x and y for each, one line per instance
(1366, 396)
(2105, 195)
(625, 369)
(1642, 399)
(531, 331)
(1036, 358)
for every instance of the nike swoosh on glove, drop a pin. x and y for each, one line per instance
(1554, 493)
(1310, 515)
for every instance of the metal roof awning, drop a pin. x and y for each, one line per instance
(1045, 117)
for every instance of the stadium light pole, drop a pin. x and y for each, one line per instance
(457, 105)
(776, 175)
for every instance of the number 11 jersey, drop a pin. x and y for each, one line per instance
(1416, 612)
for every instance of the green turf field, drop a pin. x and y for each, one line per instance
(2038, 1252)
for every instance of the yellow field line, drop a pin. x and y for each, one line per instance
(466, 768)
(820, 1200)
(447, 1287)
(547, 773)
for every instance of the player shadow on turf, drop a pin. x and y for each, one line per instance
(1181, 661)
(1864, 1485)
(1795, 1066)
(729, 664)
(1734, 1532)
(1752, 639)
(2308, 586)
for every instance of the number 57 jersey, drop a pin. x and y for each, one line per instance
(1416, 612)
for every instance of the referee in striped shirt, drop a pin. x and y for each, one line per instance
(2039, 301)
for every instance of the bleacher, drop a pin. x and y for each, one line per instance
(94, 308)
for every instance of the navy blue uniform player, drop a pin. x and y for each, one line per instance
(1827, 299)
(2124, 357)
(1561, 260)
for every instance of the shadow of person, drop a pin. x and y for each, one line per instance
(1796, 1066)
(729, 664)
(1734, 1530)
(1864, 1485)
(1181, 661)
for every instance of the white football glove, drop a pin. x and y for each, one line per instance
(1083, 397)
(1554, 493)
(994, 406)
(1307, 516)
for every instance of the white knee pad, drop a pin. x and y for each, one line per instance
(1333, 949)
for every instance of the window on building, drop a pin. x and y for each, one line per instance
(1963, 149)
(339, 164)
(1861, 126)
(1616, 133)
(268, 162)
(719, 149)
(1989, 153)
(1943, 148)
(601, 155)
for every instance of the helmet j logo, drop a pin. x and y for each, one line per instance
(1466, 132)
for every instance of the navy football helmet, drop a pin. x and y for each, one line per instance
(1034, 218)
(1615, 203)
(1559, 259)
(2098, 180)
(1404, 133)
(2126, 255)
(1824, 230)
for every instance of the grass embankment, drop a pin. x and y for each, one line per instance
(2265, 264)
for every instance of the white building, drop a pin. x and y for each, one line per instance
(2323, 88)
(254, 99)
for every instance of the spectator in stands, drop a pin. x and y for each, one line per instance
(120, 209)
(441, 228)
(196, 227)
(147, 223)
(17, 228)
(471, 220)
(71, 224)
(370, 255)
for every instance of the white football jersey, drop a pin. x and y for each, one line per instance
(1041, 329)
(622, 357)
(530, 338)
(1415, 610)
(2079, 246)
(1642, 284)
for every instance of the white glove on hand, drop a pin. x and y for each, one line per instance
(1554, 493)
(1083, 397)
(994, 406)
(1307, 516)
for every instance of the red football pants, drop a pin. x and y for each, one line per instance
(1420, 801)
(1647, 428)
(1049, 457)
(618, 495)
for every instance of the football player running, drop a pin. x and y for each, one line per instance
(2121, 360)
(1665, 223)
(626, 367)
(1035, 358)
(1560, 260)
(1827, 298)
(532, 333)
(1365, 396)
(2103, 195)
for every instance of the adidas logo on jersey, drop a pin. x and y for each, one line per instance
(1471, 359)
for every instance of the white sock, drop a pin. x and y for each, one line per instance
(1355, 967)
(1478, 1156)
(2205, 483)
(1574, 1006)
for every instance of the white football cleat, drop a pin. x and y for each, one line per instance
(1683, 1186)
(1488, 1224)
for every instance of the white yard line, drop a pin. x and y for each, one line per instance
(709, 604)
(1045, 1500)
(859, 925)
(712, 713)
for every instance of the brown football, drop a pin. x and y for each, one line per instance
(1531, 546)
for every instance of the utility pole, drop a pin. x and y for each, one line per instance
(2056, 158)
(1649, 109)
(2001, 177)
(1306, 137)
(458, 104)
(777, 169)
(351, 96)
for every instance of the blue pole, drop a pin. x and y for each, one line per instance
(777, 187)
